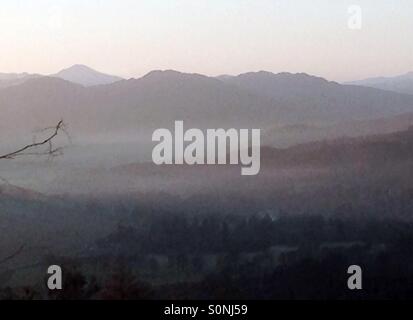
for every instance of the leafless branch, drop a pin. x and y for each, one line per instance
(28, 149)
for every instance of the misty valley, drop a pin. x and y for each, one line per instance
(334, 188)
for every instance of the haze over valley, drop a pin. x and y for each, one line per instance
(319, 95)
(110, 123)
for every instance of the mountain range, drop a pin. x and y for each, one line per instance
(377, 150)
(402, 83)
(284, 101)
(79, 74)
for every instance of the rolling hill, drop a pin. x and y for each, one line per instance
(402, 83)
(318, 101)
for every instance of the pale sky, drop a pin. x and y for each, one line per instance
(132, 37)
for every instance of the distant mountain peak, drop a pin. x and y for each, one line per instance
(86, 76)
(78, 67)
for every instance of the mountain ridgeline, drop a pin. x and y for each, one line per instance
(259, 100)
(402, 83)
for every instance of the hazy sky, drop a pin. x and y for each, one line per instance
(132, 37)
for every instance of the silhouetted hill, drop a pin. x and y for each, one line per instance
(289, 135)
(371, 150)
(401, 84)
(320, 101)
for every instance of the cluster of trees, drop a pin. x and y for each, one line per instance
(247, 265)
(175, 233)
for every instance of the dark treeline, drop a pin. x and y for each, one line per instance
(220, 256)
(216, 233)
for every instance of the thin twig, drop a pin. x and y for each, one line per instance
(48, 141)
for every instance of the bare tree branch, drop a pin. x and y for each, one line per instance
(48, 142)
(30, 149)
